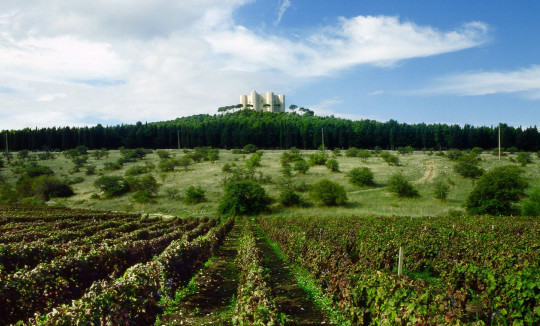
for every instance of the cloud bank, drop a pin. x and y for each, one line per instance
(84, 62)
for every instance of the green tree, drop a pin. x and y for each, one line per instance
(329, 193)
(332, 165)
(185, 162)
(301, 166)
(468, 169)
(361, 176)
(244, 198)
(289, 198)
(363, 154)
(496, 191)
(254, 161)
(351, 152)
(401, 187)
(169, 164)
(440, 189)
(112, 186)
(195, 195)
(524, 158)
(531, 206)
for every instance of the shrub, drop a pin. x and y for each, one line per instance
(538, 154)
(301, 166)
(244, 198)
(476, 150)
(401, 187)
(361, 176)
(363, 154)
(512, 149)
(531, 206)
(90, 169)
(99, 153)
(336, 152)
(168, 164)
(496, 191)
(454, 154)
(351, 152)
(45, 156)
(389, 158)
(195, 195)
(524, 158)
(250, 148)
(33, 170)
(111, 186)
(23, 155)
(112, 166)
(253, 161)
(145, 183)
(46, 187)
(329, 193)
(469, 170)
(318, 158)
(286, 171)
(405, 150)
(144, 197)
(172, 193)
(332, 165)
(162, 154)
(440, 189)
(289, 198)
(136, 170)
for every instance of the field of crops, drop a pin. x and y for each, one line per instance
(65, 267)
(472, 270)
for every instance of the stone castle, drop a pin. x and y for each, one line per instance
(267, 102)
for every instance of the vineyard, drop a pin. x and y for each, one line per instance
(481, 270)
(60, 266)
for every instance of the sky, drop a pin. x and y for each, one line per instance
(77, 63)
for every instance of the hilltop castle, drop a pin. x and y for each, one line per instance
(267, 103)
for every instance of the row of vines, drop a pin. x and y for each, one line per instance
(66, 267)
(469, 270)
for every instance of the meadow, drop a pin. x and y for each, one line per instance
(420, 168)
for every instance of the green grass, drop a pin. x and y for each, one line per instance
(361, 200)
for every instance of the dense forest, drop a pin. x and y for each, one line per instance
(272, 130)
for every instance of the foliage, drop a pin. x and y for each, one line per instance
(244, 198)
(146, 183)
(34, 170)
(254, 161)
(496, 191)
(351, 152)
(405, 150)
(195, 195)
(111, 186)
(289, 198)
(454, 154)
(136, 170)
(329, 193)
(301, 166)
(390, 159)
(401, 187)
(169, 164)
(250, 148)
(171, 192)
(163, 154)
(332, 165)
(531, 206)
(363, 154)
(90, 169)
(440, 189)
(100, 153)
(361, 176)
(112, 166)
(468, 169)
(524, 158)
(318, 158)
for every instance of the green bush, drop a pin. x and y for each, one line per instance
(329, 193)
(318, 158)
(33, 170)
(195, 195)
(136, 170)
(351, 152)
(112, 186)
(389, 158)
(46, 187)
(112, 166)
(244, 198)
(171, 193)
(440, 189)
(361, 176)
(250, 148)
(401, 187)
(144, 197)
(254, 161)
(468, 169)
(168, 164)
(332, 165)
(363, 154)
(531, 206)
(146, 183)
(289, 198)
(524, 158)
(301, 166)
(162, 154)
(496, 191)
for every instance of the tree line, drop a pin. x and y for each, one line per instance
(272, 130)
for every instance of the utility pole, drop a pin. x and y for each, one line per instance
(7, 150)
(322, 134)
(178, 138)
(499, 141)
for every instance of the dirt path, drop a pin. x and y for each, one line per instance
(216, 288)
(430, 174)
(290, 298)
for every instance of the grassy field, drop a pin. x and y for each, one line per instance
(419, 168)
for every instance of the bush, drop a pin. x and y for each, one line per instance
(405, 150)
(496, 191)
(401, 187)
(167, 165)
(512, 149)
(195, 195)
(363, 154)
(90, 169)
(301, 166)
(468, 169)
(390, 159)
(145, 183)
(250, 148)
(254, 161)
(332, 165)
(329, 193)
(1, 163)
(136, 170)
(336, 152)
(185, 161)
(440, 190)
(172, 193)
(46, 187)
(244, 198)
(531, 206)
(33, 170)
(318, 158)
(289, 198)
(162, 154)
(524, 158)
(361, 176)
(112, 166)
(112, 186)
(454, 154)
(144, 197)
(351, 152)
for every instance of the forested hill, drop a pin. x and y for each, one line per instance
(273, 130)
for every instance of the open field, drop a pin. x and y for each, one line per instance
(419, 168)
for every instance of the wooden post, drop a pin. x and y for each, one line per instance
(400, 262)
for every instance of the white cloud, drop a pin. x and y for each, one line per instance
(81, 62)
(285, 4)
(525, 81)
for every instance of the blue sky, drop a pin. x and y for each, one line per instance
(110, 62)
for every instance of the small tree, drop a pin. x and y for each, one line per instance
(531, 206)
(163, 154)
(250, 148)
(168, 164)
(361, 176)
(332, 165)
(301, 166)
(254, 161)
(289, 198)
(318, 158)
(185, 161)
(351, 152)
(244, 198)
(112, 186)
(390, 159)
(329, 193)
(524, 158)
(364, 155)
(401, 187)
(468, 169)
(496, 191)
(440, 190)
(195, 195)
